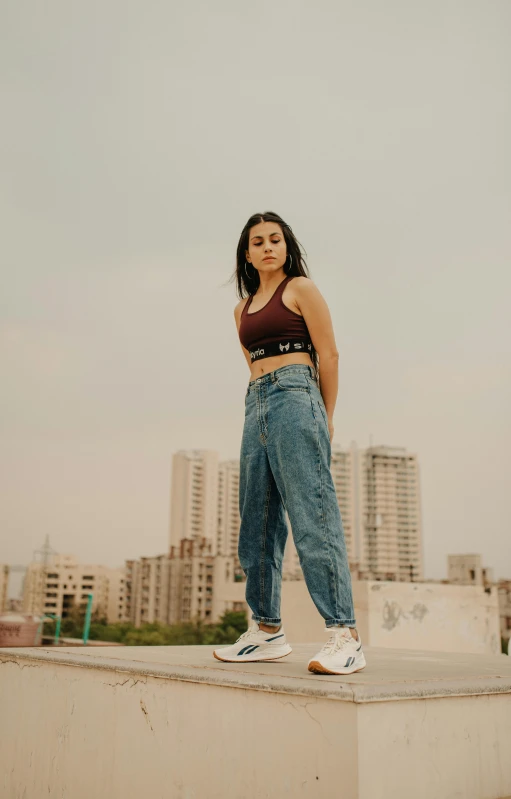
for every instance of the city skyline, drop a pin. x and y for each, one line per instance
(130, 165)
(379, 494)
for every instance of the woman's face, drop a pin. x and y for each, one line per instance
(266, 241)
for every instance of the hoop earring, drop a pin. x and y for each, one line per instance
(290, 262)
(246, 271)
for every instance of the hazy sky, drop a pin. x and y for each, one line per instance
(137, 139)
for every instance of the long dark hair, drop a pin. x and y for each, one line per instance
(247, 276)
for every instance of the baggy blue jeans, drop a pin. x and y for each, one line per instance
(285, 464)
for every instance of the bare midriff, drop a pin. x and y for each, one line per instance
(265, 365)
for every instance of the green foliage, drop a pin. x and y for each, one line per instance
(230, 626)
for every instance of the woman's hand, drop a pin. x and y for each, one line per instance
(331, 429)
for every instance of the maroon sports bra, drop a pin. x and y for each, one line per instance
(275, 329)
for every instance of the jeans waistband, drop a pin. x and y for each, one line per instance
(271, 377)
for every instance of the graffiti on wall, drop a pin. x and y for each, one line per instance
(392, 612)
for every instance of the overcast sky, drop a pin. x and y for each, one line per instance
(137, 139)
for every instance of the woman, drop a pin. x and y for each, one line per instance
(285, 456)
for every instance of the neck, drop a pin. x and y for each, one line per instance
(269, 282)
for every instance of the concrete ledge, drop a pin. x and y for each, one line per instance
(166, 722)
(391, 675)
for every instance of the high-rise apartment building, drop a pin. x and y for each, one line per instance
(60, 584)
(377, 490)
(387, 511)
(344, 476)
(194, 496)
(228, 519)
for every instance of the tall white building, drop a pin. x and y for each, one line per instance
(377, 490)
(388, 513)
(228, 519)
(194, 496)
(60, 584)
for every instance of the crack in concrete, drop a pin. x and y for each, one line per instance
(130, 679)
(305, 706)
(144, 710)
(25, 666)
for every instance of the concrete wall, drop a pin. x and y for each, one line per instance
(426, 616)
(93, 734)
(171, 724)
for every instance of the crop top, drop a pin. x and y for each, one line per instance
(274, 329)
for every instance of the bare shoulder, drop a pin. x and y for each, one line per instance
(305, 288)
(241, 304)
(303, 283)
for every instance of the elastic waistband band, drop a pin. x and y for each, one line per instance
(281, 347)
(271, 377)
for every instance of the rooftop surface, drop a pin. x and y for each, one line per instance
(390, 674)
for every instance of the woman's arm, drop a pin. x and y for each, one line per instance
(237, 317)
(317, 317)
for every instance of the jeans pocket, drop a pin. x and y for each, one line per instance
(292, 381)
(317, 393)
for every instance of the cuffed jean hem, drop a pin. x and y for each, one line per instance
(267, 621)
(340, 623)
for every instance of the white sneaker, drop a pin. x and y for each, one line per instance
(342, 654)
(255, 644)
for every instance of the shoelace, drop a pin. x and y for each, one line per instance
(337, 641)
(247, 634)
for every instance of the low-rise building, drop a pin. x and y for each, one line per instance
(62, 583)
(504, 593)
(468, 570)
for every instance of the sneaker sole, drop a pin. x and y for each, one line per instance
(248, 659)
(316, 667)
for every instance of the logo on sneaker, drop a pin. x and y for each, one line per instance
(275, 637)
(349, 662)
(248, 649)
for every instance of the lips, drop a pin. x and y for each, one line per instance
(270, 258)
